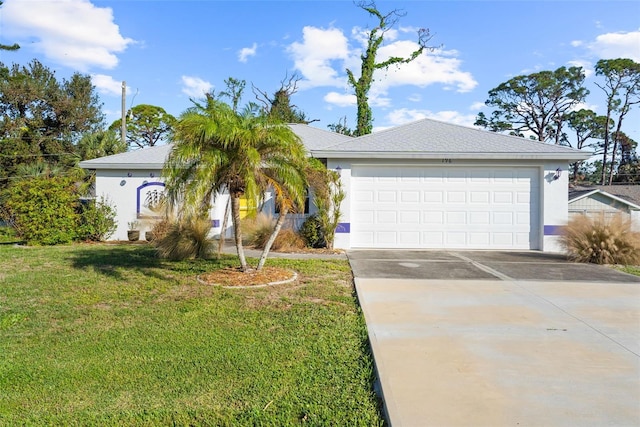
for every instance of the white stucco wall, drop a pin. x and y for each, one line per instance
(122, 189)
(554, 200)
(553, 211)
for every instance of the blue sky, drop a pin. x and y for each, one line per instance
(169, 51)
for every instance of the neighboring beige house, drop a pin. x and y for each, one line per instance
(425, 184)
(606, 200)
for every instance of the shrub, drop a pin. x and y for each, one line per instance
(311, 232)
(97, 220)
(256, 228)
(258, 231)
(160, 228)
(43, 210)
(288, 240)
(184, 239)
(602, 241)
(7, 234)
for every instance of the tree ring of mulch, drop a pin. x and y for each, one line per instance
(235, 278)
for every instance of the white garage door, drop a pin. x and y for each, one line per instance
(444, 207)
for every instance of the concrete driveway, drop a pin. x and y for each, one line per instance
(475, 338)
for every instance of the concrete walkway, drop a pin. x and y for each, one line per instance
(493, 347)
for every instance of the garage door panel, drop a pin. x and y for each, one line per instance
(409, 217)
(522, 218)
(363, 196)
(523, 197)
(387, 217)
(479, 217)
(436, 207)
(432, 239)
(432, 196)
(388, 238)
(479, 197)
(480, 239)
(523, 239)
(436, 217)
(502, 239)
(503, 197)
(409, 239)
(456, 197)
(456, 239)
(410, 196)
(387, 196)
(456, 218)
(364, 217)
(503, 218)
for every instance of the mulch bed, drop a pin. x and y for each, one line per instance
(232, 276)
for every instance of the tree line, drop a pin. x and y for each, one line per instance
(545, 107)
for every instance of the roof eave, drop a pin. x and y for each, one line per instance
(333, 154)
(138, 166)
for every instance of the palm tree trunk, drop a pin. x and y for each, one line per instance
(237, 232)
(272, 238)
(223, 232)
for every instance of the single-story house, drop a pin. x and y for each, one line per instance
(607, 200)
(426, 184)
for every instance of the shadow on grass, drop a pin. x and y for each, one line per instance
(119, 261)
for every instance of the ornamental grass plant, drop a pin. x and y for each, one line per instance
(259, 229)
(602, 240)
(186, 238)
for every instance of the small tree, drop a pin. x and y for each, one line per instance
(341, 127)
(97, 220)
(329, 208)
(622, 90)
(587, 126)
(100, 144)
(217, 149)
(537, 103)
(147, 126)
(368, 66)
(328, 195)
(279, 106)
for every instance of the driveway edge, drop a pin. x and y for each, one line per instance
(390, 410)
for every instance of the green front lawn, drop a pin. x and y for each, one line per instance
(111, 335)
(631, 269)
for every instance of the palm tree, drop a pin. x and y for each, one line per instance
(217, 149)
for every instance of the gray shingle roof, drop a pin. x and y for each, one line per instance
(428, 138)
(317, 139)
(422, 139)
(630, 193)
(145, 158)
(154, 157)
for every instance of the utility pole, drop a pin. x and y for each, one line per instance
(123, 127)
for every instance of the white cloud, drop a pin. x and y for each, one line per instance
(438, 67)
(617, 45)
(246, 52)
(340, 99)
(195, 87)
(577, 43)
(477, 106)
(405, 115)
(314, 56)
(55, 30)
(324, 54)
(107, 85)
